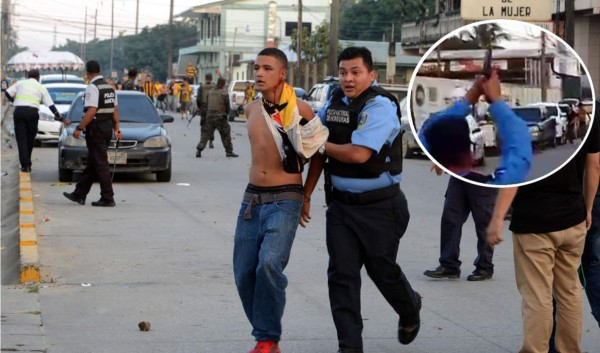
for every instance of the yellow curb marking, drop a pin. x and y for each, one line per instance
(30, 274)
(27, 225)
(26, 211)
(26, 199)
(28, 243)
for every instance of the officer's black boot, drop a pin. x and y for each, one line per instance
(198, 153)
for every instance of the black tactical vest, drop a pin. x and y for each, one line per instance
(343, 119)
(106, 101)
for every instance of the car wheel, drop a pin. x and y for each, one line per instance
(65, 175)
(164, 175)
(406, 151)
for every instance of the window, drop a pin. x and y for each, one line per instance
(291, 26)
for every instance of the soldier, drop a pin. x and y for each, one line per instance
(129, 84)
(202, 101)
(216, 118)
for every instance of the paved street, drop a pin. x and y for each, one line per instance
(163, 255)
(544, 161)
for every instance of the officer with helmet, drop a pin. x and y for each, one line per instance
(26, 96)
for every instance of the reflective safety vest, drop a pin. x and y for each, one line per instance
(30, 93)
(106, 100)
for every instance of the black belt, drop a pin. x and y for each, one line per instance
(367, 197)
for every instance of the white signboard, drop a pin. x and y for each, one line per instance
(524, 10)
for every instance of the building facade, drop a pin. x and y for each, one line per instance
(232, 32)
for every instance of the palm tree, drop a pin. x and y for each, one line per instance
(486, 36)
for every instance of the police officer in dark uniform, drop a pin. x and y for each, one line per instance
(216, 118)
(463, 198)
(367, 213)
(100, 119)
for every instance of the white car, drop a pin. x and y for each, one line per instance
(237, 93)
(62, 95)
(554, 111)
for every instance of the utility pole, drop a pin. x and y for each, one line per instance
(543, 71)
(300, 35)
(170, 44)
(137, 15)
(570, 22)
(5, 32)
(84, 36)
(112, 39)
(333, 37)
(95, 23)
(557, 19)
(54, 41)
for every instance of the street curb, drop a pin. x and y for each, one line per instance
(30, 267)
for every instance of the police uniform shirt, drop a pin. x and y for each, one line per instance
(516, 154)
(378, 124)
(92, 94)
(30, 93)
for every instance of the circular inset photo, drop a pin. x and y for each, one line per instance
(500, 103)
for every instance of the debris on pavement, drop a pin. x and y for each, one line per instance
(144, 326)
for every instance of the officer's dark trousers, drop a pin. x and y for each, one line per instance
(98, 136)
(463, 198)
(26, 127)
(366, 235)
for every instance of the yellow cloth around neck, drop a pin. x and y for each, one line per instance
(287, 114)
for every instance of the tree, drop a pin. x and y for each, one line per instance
(144, 50)
(373, 19)
(486, 36)
(315, 46)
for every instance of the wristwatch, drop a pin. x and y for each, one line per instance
(322, 149)
(78, 128)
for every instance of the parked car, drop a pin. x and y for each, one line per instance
(320, 93)
(60, 78)
(410, 146)
(237, 93)
(62, 95)
(553, 111)
(541, 126)
(300, 93)
(144, 148)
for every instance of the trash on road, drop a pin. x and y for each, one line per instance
(183, 184)
(86, 284)
(46, 218)
(144, 326)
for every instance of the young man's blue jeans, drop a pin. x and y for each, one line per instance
(261, 252)
(591, 262)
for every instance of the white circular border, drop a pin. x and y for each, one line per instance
(458, 30)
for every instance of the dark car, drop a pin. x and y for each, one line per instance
(320, 93)
(541, 126)
(144, 148)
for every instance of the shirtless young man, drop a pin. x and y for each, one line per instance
(272, 205)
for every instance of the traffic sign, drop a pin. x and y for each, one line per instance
(524, 10)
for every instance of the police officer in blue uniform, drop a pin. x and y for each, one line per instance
(100, 119)
(367, 213)
(445, 135)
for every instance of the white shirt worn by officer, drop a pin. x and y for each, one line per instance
(30, 93)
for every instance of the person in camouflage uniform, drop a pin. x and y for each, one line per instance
(202, 102)
(129, 84)
(216, 118)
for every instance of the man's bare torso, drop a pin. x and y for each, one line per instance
(266, 168)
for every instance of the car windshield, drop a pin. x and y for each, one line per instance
(551, 110)
(64, 95)
(132, 109)
(531, 115)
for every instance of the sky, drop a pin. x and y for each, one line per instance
(36, 21)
